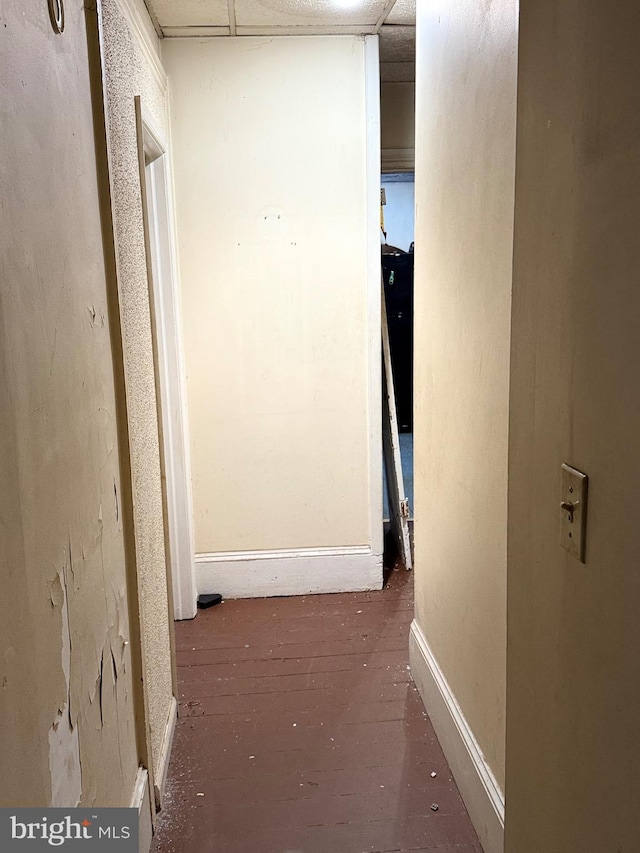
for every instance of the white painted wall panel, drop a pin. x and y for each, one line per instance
(269, 157)
(465, 166)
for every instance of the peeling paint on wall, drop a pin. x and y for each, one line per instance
(64, 743)
(68, 730)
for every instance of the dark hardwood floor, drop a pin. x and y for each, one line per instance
(300, 731)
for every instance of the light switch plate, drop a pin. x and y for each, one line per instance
(573, 508)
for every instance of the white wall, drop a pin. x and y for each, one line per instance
(573, 679)
(399, 212)
(270, 165)
(465, 146)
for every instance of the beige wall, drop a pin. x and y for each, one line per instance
(397, 126)
(465, 142)
(66, 695)
(573, 737)
(132, 70)
(270, 176)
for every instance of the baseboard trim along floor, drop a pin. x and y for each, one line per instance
(259, 574)
(141, 801)
(165, 753)
(477, 784)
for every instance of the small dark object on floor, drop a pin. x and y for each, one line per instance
(205, 601)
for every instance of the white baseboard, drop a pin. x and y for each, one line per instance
(165, 753)
(259, 574)
(478, 787)
(141, 801)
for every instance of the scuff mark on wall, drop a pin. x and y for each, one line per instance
(53, 354)
(64, 743)
(56, 591)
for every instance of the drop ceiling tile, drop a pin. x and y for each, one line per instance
(190, 13)
(404, 12)
(297, 13)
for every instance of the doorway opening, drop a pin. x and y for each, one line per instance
(155, 180)
(397, 226)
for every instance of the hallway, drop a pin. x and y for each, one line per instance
(301, 730)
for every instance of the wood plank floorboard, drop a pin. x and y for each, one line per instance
(300, 731)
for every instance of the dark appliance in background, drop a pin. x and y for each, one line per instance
(397, 271)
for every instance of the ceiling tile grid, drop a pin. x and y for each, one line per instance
(190, 13)
(403, 12)
(394, 21)
(307, 13)
(282, 14)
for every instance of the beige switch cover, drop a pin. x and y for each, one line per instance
(573, 508)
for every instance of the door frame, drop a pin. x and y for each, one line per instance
(373, 177)
(168, 353)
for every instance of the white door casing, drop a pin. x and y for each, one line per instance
(168, 345)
